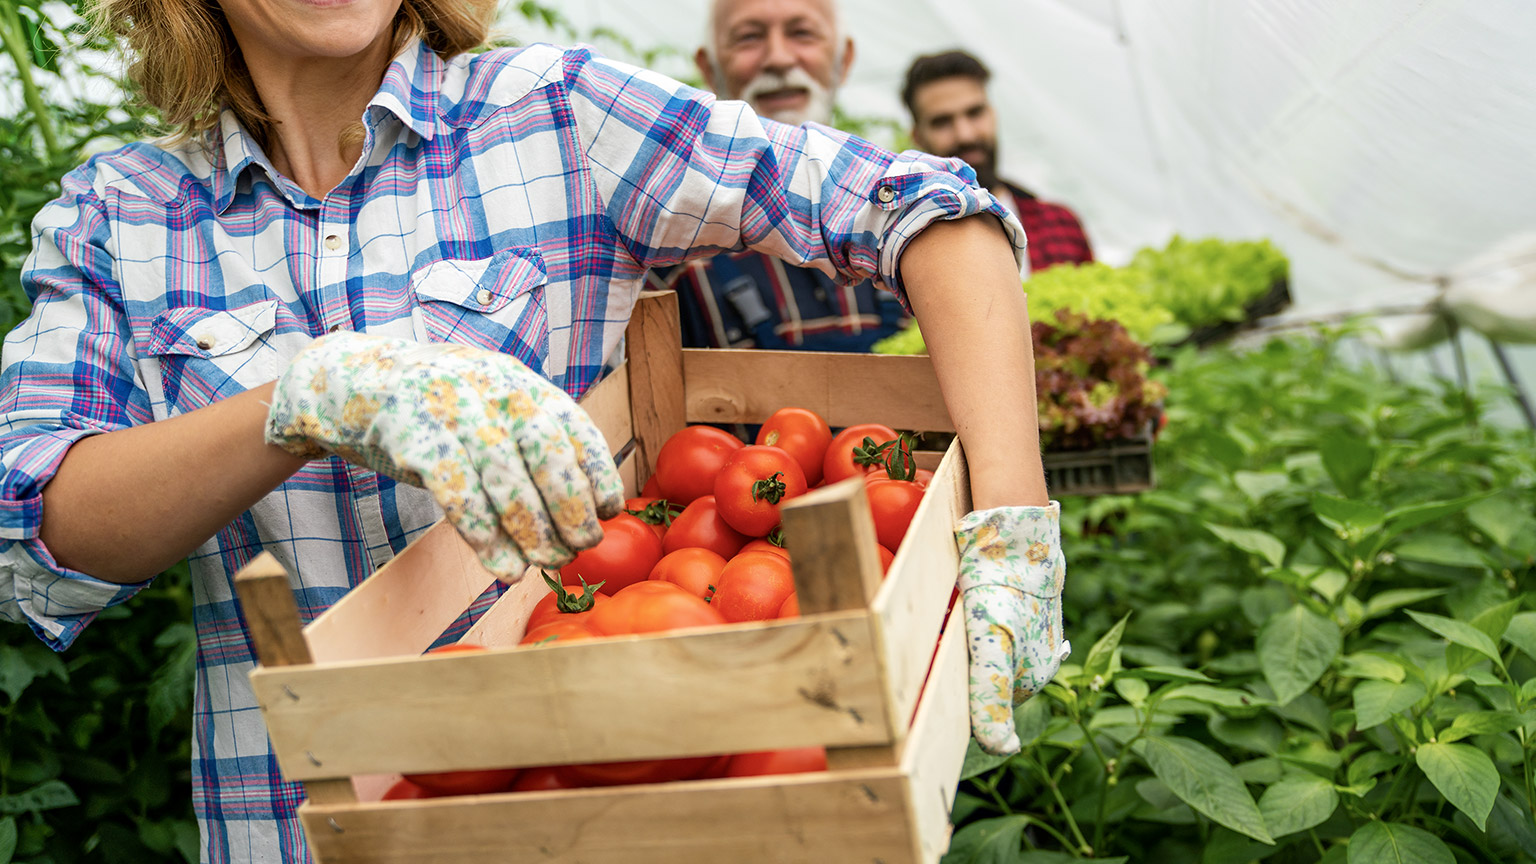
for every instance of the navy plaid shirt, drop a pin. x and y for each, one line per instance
(513, 200)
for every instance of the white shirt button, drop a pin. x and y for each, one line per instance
(332, 242)
(333, 328)
(204, 343)
(886, 194)
(484, 297)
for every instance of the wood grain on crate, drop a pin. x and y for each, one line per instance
(911, 605)
(888, 815)
(943, 726)
(653, 345)
(747, 386)
(405, 605)
(859, 817)
(805, 682)
(830, 535)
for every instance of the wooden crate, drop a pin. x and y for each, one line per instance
(349, 701)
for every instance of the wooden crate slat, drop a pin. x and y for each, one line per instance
(405, 605)
(911, 604)
(607, 403)
(806, 682)
(801, 819)
(943, 725)
(747, 386)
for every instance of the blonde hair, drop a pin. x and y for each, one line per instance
(187, 81)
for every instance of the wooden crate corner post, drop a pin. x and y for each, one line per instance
(830, 534)
(654, 349)
(272, 615)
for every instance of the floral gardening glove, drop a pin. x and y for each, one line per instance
(1011, 574)
(515, 464)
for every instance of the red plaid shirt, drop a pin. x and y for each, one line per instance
(1055, 235)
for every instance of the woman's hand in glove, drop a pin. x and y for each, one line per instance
(517, 466)
(1011, 575)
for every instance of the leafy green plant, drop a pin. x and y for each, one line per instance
(1091, 383)
(1208, 281)
(1315, 641)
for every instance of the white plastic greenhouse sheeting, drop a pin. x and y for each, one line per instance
(1383, 144)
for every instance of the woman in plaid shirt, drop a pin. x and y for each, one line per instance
(359, 289)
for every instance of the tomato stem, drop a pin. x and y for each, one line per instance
(570, 601)
(770, 490)
(895, 455)
(658, 512)
(776, 536)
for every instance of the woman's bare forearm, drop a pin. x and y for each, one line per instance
(128, 504)
(963, 284)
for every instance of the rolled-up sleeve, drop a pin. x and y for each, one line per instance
(66, 372)
(682, 174)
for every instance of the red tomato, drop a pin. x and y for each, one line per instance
(753, 484)
(791, 607)
(924, 478)
(628, 773)
(716, 768)
(560, 631)
(653, 607)
(802, 434)
(794, 761)
(886, 557)
(404, 790)
(753, 587)
(625, 555)
(652, 487)
(763, 544)
(693, 570)
(687, 464)
(544, 778)
(445, 783)
(700, 525)
(561, 604)
(838, 464)
(893, 502)
(655, 512)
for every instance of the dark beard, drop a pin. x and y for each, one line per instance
(986, 172)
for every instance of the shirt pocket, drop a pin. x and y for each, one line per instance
(494, 303)
(210, 354)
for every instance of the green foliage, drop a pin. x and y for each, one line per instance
(1210, 280)
(1159, 297)
(50, 135)
(1315, 641)
(95, 743)
(1100, 292)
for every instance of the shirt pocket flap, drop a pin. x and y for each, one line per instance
(485, 285)
(194, 331)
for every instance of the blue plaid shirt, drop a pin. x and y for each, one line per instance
(512, 200)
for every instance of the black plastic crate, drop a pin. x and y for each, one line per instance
(1114, 469)
(1273, 302)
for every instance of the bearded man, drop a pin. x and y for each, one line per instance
(952, 117)
(786, 58)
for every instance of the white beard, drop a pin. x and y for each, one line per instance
(818, 107)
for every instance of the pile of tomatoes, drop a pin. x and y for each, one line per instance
(702, 546)
(707, 525)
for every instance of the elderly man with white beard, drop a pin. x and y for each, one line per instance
(786, 58)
